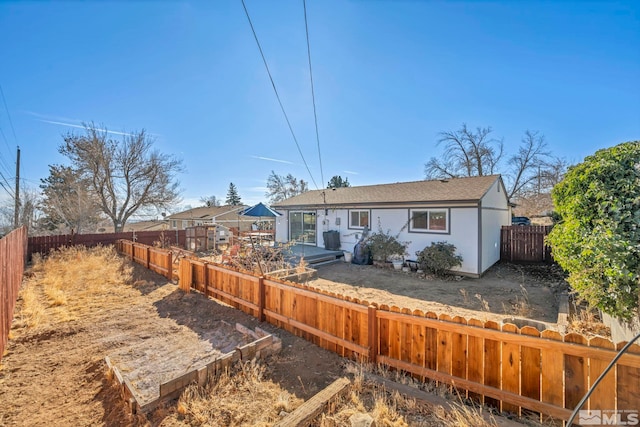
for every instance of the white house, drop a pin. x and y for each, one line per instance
(467, 212)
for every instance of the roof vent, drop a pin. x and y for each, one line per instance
(444, 180)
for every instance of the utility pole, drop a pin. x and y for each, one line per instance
(16, 214)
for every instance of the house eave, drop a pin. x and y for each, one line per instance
(383, 205)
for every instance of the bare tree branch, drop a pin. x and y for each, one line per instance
(126, 176)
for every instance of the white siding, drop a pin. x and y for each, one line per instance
(495, 197)
(495, 214)
(282, 227)
(492, 221)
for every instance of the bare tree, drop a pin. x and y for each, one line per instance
(475, 153)
(67, 201)
(126, 176)
(526, 165)
(210, 201)
(282, 187)
(28, 212)
(466, 153)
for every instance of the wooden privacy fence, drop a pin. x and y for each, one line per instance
(514, 369)
(13, 250)
(45, 244)
(525, 243)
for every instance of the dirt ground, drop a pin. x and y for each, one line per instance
(504, 291)
(57, 375)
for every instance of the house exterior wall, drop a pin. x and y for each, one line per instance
(463, 231)
(282, 227)
(494, 213)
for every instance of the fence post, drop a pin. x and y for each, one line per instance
(148, 257)
(373, 333)
(261, 298)
(169, 266)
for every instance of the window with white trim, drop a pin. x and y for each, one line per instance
(358, 219)
(430, 220)
(174, 223)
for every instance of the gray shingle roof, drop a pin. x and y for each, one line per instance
(470, 189)
(205, 212)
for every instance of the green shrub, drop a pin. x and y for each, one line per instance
(439, 258)
(597, 240)
(384, 246)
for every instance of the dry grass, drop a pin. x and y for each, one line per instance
(241, 396)
(521, 307)
(390, 408)
(586, 321)
(71, 282)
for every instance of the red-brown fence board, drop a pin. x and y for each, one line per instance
(45, 244)
(525, 243)
(13, 250)
(542, 373)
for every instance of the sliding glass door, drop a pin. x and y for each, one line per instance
(302, 227)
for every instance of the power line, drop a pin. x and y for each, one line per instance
(313, 95)
(9, 117)
(264, 60)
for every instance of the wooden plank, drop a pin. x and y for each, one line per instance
(459, 352)
(552, 369)
(530, 370)
(632, 360)
(319, 333)
(628, 384)
(394, 336)
(604, 395)
(575, 374)
(406, 340)
(510, 369)
(492, 363)
(475, 359)
(418, 342)
(445, 348)
(431, 343)
(383, 331)
(309, 410)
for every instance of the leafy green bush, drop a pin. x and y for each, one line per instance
(439, 258)
(384, 246)
(597, 241)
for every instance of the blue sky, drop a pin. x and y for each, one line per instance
(389, 76)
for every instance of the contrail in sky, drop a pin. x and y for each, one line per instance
(273, 160)
(82, 127)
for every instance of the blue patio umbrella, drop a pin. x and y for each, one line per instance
(260, 210)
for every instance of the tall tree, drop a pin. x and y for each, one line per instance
(597, 240)
(282, 187)
(525, 167)
(466, 153)
(337, 182)
(67, 201)
(476, 153)
(210, 201)
(233, 198)
(126, 176)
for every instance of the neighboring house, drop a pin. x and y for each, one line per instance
(229, 216)
(467, 212)
(152, 225)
